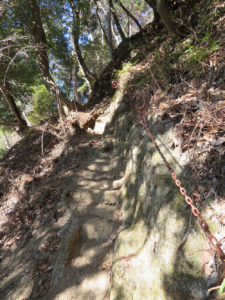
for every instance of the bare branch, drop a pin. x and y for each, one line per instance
(10, 124)
(12, 38)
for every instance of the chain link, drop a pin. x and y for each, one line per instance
(212, 239)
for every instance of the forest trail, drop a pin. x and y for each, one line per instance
(67, 250)
(60, 204)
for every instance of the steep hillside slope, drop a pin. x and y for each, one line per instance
(86, 216)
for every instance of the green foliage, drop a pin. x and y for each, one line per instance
(43, 105)
(126, 68)
(221, 288)
(3, 148)
(198, 53)
(83, 88)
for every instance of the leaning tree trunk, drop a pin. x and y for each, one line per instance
(87, 74)
(115, 38)
(76, 34)
(25, 117)
(42, 57)
(130, 15)
(10, 99)
(117, 22)
(76, 94)
(109, 31)
(68, 94)
(164, 14)
(98, 57)
(110, 43)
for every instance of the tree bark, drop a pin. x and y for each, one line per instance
(10, 99)
(109, 31)
(25, 117)
(88, 75)
(130, 15)
(115, 38)
(9, 124)
(76, 33)
(68, 94)
(117, 22)
(100, 23)
(42, 57)
(74, 54)
(98, 58)
(164, 14)
(76, 94)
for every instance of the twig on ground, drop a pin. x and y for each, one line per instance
(186, 235)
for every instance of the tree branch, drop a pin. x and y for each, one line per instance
(117, 22)
(129, 14)
(101, 25)
(11, 124)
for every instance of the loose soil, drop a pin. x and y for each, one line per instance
(60, 217)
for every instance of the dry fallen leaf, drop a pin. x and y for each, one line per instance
(219, 141)
(50, 268)
(43, 267)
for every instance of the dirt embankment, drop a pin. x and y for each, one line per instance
(63, 210)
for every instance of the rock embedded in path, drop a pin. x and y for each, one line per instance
(71, 235)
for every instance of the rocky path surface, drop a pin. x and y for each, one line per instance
(83, 264)
(67, 250)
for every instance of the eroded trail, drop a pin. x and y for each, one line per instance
(65, 250)
(83, 263)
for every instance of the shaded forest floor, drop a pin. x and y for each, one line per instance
(63, 195)
(66, 193)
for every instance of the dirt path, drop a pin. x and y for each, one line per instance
(66, 250)
(86, 274)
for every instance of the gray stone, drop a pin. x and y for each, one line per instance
(146, 262)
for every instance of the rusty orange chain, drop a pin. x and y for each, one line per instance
(212, 239)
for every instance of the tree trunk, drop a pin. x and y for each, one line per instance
(88, 75)
(68, 94)
(76, 33)
(8, 146)
(164, 14)
(42, 57)
(58, 101)
(96, 52)
(117, 22)
(109, 32)
(76, 94)
(130, 15)
(74, 54)
(10, 99)
(115, 38)
(100, 23)
(25, 117)
(128, 27)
